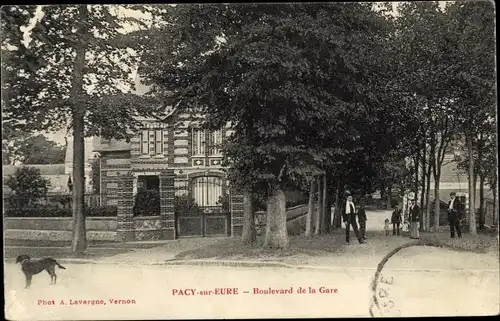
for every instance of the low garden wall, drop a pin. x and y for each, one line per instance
(56, 235)
(104, 228)
(57, 228)
(60, 228)
(59, 223)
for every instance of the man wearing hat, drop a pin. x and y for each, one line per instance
(349, 217)
(454, 211)
(414, 213)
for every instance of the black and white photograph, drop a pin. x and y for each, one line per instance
(250, 160)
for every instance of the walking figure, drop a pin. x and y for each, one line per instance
(454, 211)
(396, 220)
(362, 221)
(349, 218)
(386, 226)
(414, 220)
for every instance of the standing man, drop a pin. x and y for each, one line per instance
(362, 220)
(414, 214)
(350, 219)
(454, 211)
(396, 220)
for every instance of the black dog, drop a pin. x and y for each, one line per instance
(31, 267)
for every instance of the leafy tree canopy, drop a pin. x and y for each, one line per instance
(32, 150)
(38, 77)
(300, 83)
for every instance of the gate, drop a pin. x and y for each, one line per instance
(204, 210)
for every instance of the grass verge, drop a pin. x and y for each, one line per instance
(480, 243)
(334, 244)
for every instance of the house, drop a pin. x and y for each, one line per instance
(55, 173)
(173, 150)
(174, 156)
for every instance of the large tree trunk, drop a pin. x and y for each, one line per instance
(310, 209)
(79, 243)
(423, 218)
(389, 196)
(437, 203)
(328, 215)
(325, 223)
(481, 202)
(319, 210)
(428, 196)
(337, 220)
(428, 203)
(495, 193)
(472, 189)
(276, 232)
(417, 163)
(495, 205)
(249, 234)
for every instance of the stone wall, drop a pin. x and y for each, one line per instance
(57, 228)
(58, 223)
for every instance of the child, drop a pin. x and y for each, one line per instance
(386, 226)
(406, 227)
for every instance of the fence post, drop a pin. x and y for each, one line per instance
(125, 218)
(237, 213)
(167, 199)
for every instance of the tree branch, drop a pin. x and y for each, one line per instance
(282, 171)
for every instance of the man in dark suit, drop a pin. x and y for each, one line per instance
(454, 211)
(396, 220)
(349, 218)
(414, 214)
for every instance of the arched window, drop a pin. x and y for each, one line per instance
(207, 190)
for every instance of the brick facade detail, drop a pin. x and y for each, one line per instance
(236, 208)
(125, 229)
(167, 198)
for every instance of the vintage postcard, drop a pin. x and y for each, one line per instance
(249, 160)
